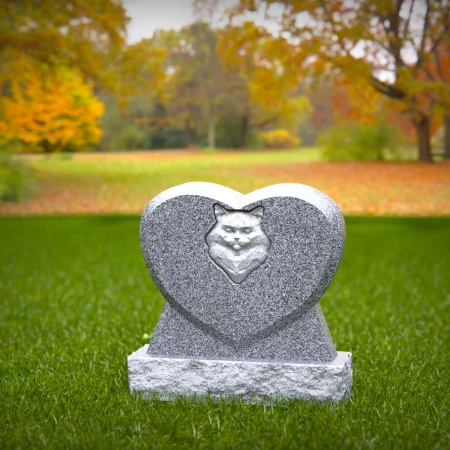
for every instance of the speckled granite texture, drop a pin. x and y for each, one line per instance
(271, 314)
(251, 381)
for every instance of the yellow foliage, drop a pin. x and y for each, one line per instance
(265, 63)
(49, 111)
(279, 139)
(88, 34)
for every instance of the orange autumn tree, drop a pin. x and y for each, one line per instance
(352, 101)
(49, 111)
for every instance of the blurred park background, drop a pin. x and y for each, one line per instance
(104, 103)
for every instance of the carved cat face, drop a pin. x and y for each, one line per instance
(237, 229)
(237, 242)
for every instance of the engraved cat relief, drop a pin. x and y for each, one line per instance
(237, 242)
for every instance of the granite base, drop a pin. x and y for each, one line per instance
(254, 381)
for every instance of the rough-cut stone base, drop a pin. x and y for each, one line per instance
(249, 380)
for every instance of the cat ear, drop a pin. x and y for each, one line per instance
(219, 211)
(257, 212)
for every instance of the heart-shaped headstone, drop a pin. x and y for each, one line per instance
(240, 270)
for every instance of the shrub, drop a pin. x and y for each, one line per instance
(157, 140)
(279, 139)
(174, 138)
(228, 132)
(351, 141)
(131, 138)
(16, 178)
(254, 141)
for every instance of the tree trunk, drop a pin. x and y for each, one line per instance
(423, 138)
(186, 134)
(46, 146)
(447, 137)
(211, 127)
(194, 136)
(244, 131)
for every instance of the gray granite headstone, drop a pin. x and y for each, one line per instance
(242, 276)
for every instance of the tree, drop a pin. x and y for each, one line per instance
(206, 43)
(49, 110)
(195, 80)
(213, 74)
(435, 74)
(261, 88)
(385, 43)
(352, 103)
(70, 44)
(321, 118)
(85, 35)
(176, 85)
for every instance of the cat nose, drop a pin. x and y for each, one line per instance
(236, 238)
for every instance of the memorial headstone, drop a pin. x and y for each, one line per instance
(242, 276)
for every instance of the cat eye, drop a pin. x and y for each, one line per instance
(228, 229)
(247, 230)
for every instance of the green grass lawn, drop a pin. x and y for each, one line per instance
(152, 164)
(142, 176)
(76, 299)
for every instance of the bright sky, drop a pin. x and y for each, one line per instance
(150, 15)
